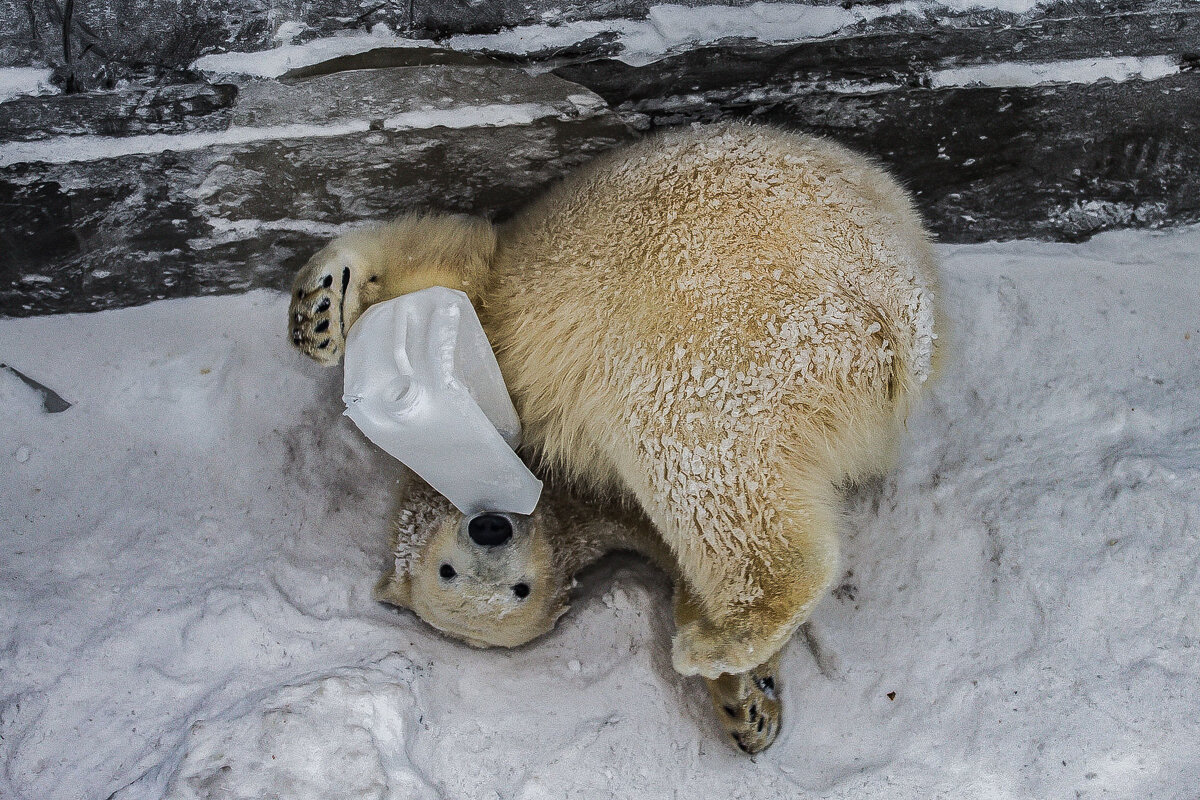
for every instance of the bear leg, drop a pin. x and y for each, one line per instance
(757, 591)
(747, 704)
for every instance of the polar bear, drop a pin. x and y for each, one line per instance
(509, 595)
(720, 325)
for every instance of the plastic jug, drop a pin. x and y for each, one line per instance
(421, 382)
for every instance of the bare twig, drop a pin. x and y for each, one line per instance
(33, 28)
(68, 12)
(363, 16)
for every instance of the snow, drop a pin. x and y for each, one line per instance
(189, 551)
(667, 27)
(275, 62)
(65, 149)
(17, 81)
(1084, 70)
(670, 26)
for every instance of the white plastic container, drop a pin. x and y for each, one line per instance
(421, 382)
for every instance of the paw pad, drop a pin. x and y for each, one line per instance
(317, 313)
(749, 707)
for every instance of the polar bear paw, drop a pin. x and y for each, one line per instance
(323, 305)
(702, 648)
(748, 706)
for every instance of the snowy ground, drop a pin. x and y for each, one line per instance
(188, 553)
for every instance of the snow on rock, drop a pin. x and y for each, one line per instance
(70, 149)
(279, 60)
(17, 81)
(189, 551)
(665, 28)
(1083, 70)
(340, 105)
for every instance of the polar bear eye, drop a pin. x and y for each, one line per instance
(521, 590)
(447, 572)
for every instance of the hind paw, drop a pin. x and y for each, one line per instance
(748, 706)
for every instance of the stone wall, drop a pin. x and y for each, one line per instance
(150, 174)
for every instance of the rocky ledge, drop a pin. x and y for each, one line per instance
(1057, 123)
(239, 194)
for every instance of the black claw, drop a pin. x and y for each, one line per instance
(345, 279)
(322, 326)
(731, 711)
(296, 336)
(323, 305)
(323, 345)
(299, 294)
(327, 281)
(753, 712)
(761, 720)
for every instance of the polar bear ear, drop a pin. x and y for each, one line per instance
(395, 589)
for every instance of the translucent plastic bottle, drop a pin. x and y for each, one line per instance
(421, 382)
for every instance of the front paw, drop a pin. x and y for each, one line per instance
(322, 305)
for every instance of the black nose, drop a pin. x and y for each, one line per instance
(489, 530)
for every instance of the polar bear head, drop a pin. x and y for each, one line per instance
(491, 580)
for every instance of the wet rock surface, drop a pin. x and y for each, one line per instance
(100, 232)
(176, 108)
(1049, 162)
(180, 182)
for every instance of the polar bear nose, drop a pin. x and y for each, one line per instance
(489, 530)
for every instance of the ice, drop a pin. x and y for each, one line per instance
(422, 382)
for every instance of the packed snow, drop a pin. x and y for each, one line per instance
(66, 149)
(189, 551)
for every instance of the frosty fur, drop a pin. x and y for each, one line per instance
(720, 324)
(565, 534)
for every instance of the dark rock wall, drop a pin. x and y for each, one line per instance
(1060, 161)
(98, 232)
(148, 179)
(108, 39)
